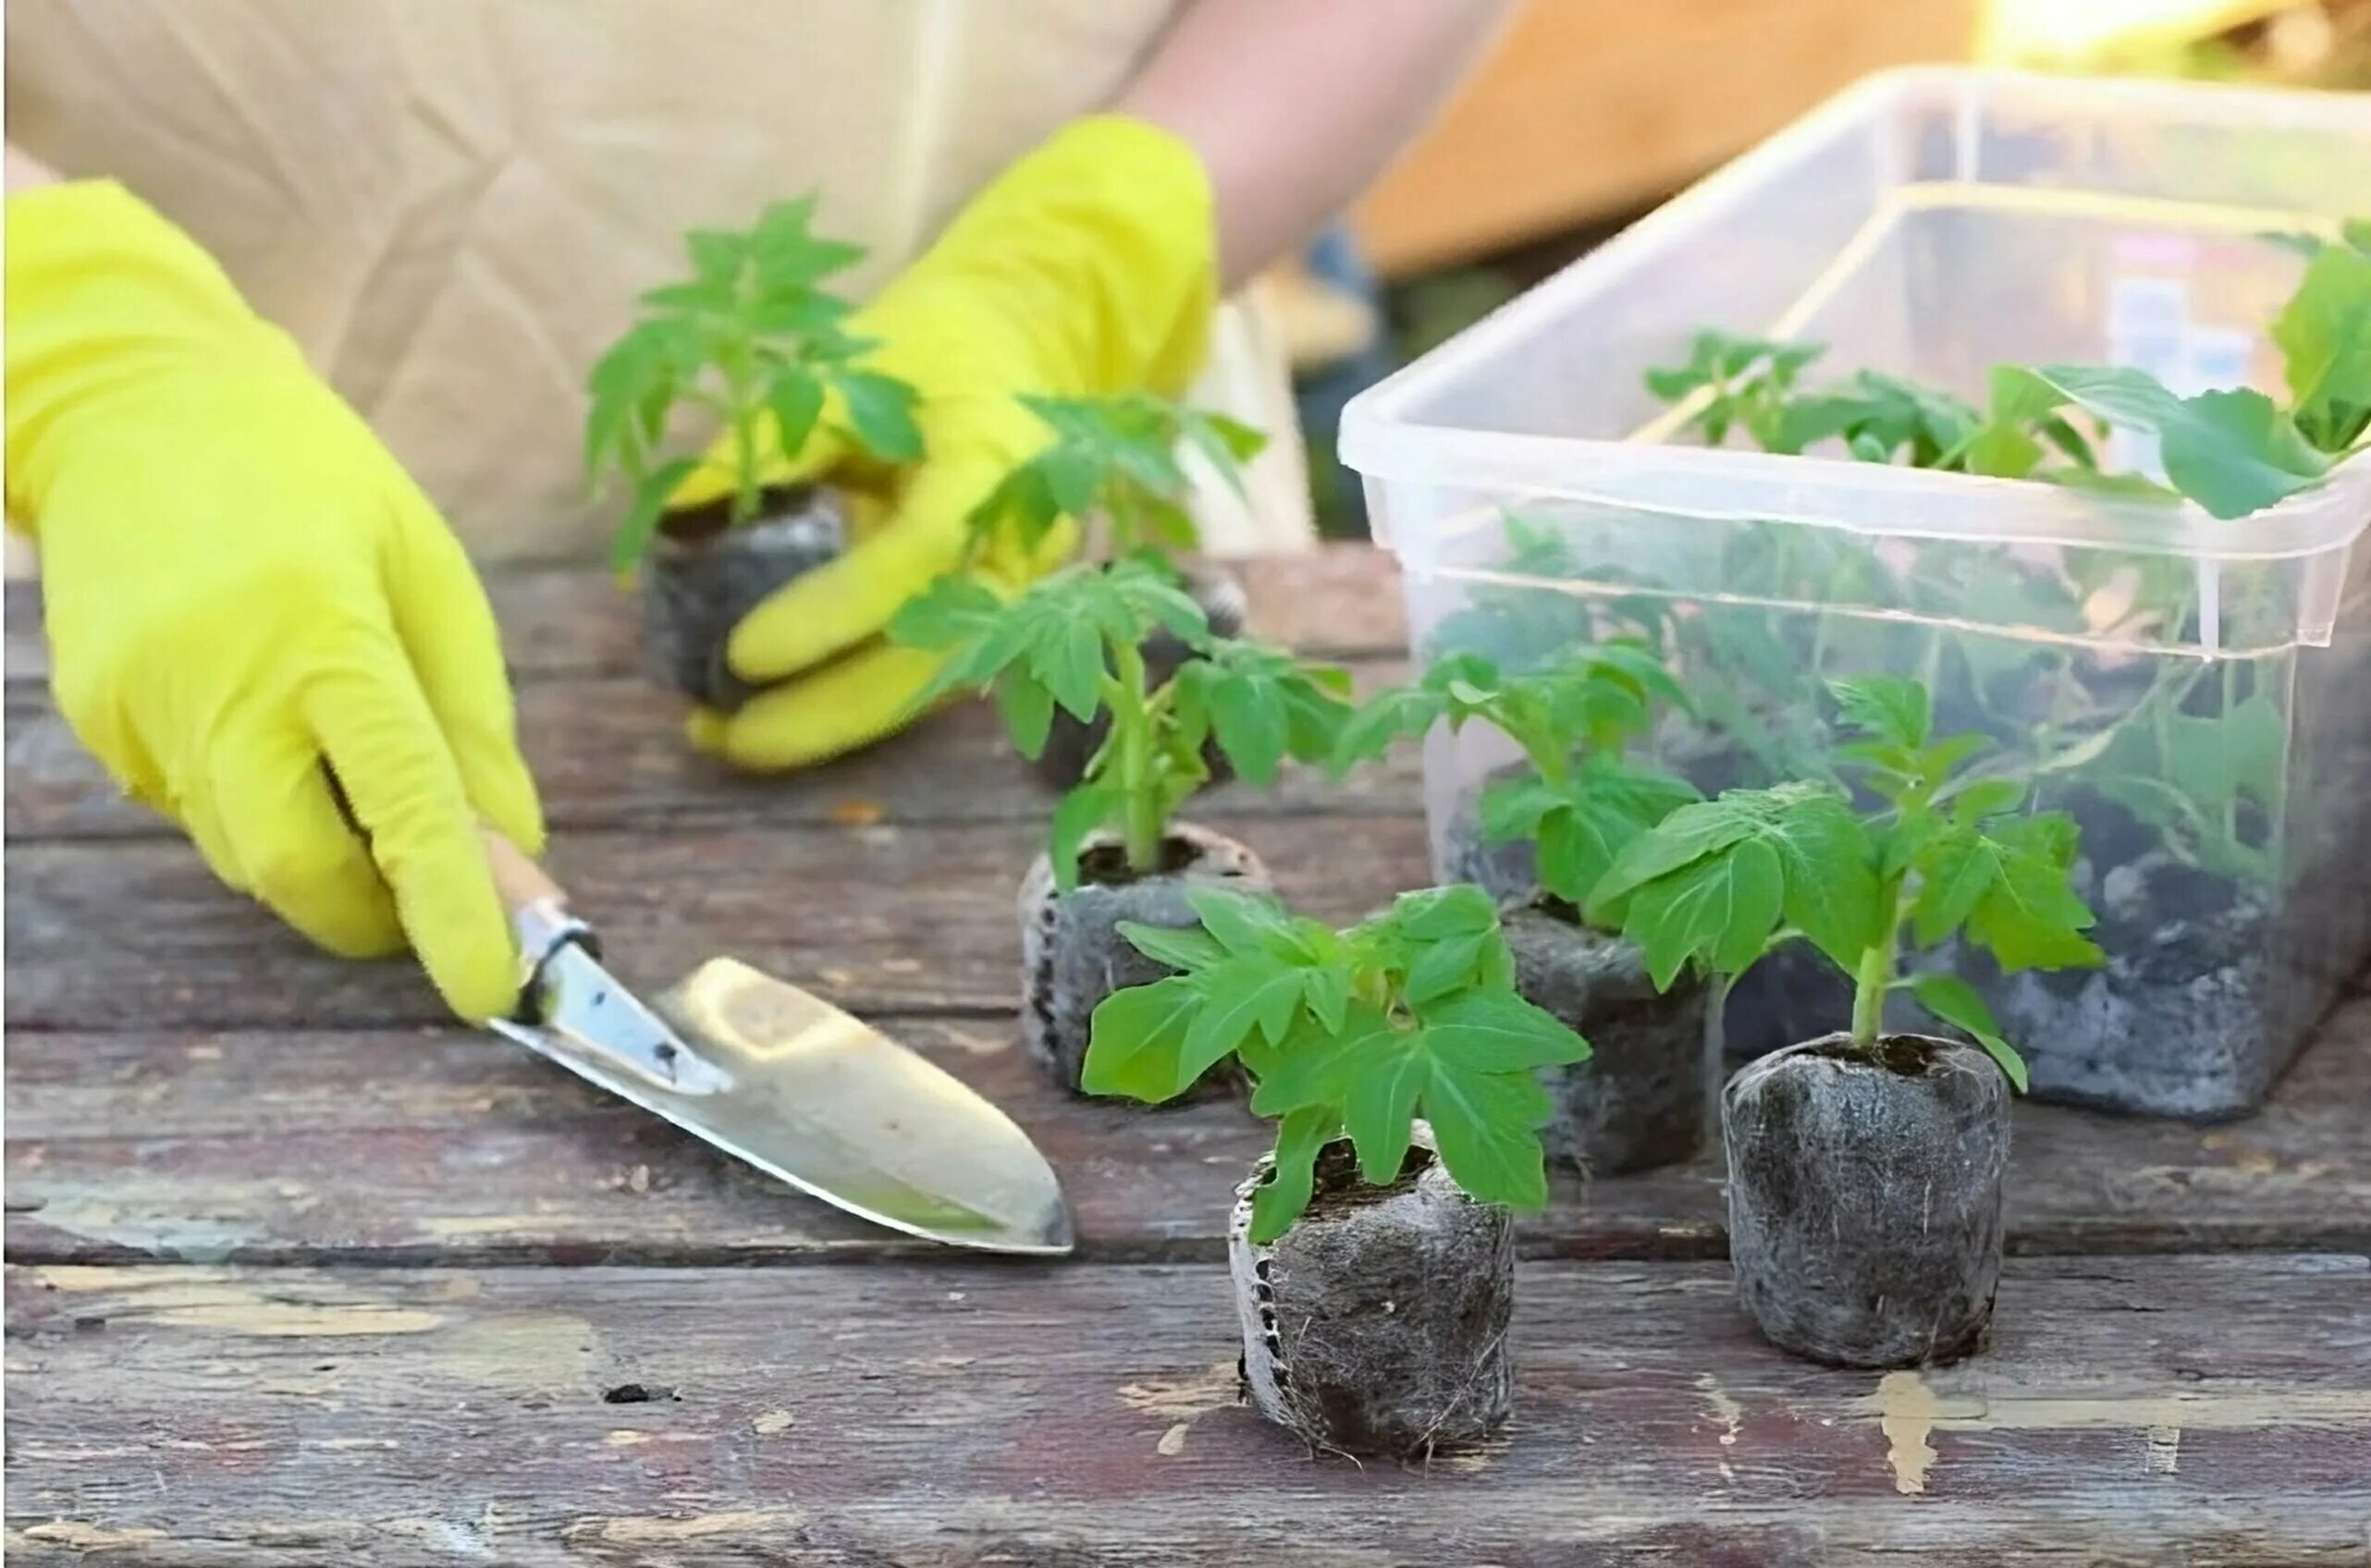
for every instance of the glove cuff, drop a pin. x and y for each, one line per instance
(104, 295)
(1102, 242)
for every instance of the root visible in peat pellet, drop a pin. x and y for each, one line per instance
(1865, 1197)
(1378, 1323)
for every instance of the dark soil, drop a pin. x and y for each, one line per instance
(1072, 953)
(1070, 743)
(1638, 1102)
(701, 577)
(1378, 1323)
(1864, 1198)
(2179, 1022)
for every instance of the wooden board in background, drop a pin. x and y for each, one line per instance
(1589, 110)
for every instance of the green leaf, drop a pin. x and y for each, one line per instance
(2325, 332)
(1607, 804)
(1483, 1123)
(2027, 915)
(1955, 1002)
(1251, 991)
(1718, 910)
(1986, 797)
(1316, 1070)
(1029, 709)
(1886, 707)
(1429, 915)
(880, 414)
(1498, 1032)
(1686, 836)
(641, 521)
(796, 400)
(1386, 1072)
(1511, 809)
(1325, 991)
(1245, 923)
(1281, 1200)
(1080, 813)
(1187, 949)
(1444, 966)
(1068, 656)
(1247, 714)
(1400, 712)
(715, 256)
(1956, 869)
(1137, 1038)
(788, 252)
(1832, 891)
(1577, 846)
(2232, 452)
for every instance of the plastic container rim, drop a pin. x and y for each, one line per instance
(1379, 440)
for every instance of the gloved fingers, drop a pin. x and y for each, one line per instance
(269, 815)
(848, 601)
(447, 630)
(374, 726)
(847, 704)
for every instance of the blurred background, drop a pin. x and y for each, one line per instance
(1592, 111)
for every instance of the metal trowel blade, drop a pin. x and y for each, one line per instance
(806, 1093)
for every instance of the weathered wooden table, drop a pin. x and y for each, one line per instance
(299, 1274)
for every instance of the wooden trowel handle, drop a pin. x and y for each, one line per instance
(520, 881)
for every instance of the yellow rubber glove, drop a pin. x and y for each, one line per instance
(242, 584)
(1087, 267)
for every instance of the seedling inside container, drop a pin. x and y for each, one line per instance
(1866, 1167)
(1072, 644)
(754, 344)
(1541, 835)
(2198, 789)
(1114, 470)
(1371, 1251)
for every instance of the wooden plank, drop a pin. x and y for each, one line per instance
(1608, 106)
(608, 751)
(132, 934)
(437, 1144)
(570, 620)
(2195, 1410)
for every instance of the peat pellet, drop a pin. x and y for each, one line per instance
(1070, 742)
(699, 579)
(1377, 1324)
(1865, 1197)
(1638, 1102)
(1072, 953)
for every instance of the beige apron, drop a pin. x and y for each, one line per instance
(452, 203)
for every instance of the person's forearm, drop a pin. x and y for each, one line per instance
(1295, 105)
(25, 171)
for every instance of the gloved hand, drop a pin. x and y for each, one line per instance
(1087, 267)
(241, 585)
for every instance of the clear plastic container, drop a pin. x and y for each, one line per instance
(2196, 691)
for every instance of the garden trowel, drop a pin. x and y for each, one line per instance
(783, 1080)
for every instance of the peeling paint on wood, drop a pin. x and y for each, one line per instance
(1096, 1414)
(1904, 1410)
